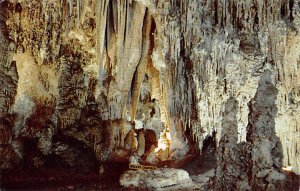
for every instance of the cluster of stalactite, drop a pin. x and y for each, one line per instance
(218, 49)
(168, 65)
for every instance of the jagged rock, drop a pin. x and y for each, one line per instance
(81, 67)
(255, 164)
(45, 141)
(71, 92)
(159, 178)
(233, 158)
(266, 147)
(8, 90)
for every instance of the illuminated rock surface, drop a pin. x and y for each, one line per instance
(161, 178)
(110, 74)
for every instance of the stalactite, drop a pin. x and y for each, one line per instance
(154, 81)
(70, 2)
(267, 14)
(163, 104)
(141, 68)
(203, 53)
(101, 14)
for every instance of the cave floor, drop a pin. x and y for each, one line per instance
(72, 180)
(200, 169)
(46, 179)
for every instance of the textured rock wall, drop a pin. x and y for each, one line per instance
(237, 42)
(233, 159)
(181, 59)
(8, 87)
(255, 164)
(220, 49)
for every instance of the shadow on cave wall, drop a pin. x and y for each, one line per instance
(255, 164)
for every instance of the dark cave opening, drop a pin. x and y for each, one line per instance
(67, 154)
(207, 160)
(210, 143)
(70, 163)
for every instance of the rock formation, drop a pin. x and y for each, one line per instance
(102, 72)
(8, 83)
(156, 180)
(255, 164)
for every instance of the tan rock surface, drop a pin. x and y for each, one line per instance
(91, 70)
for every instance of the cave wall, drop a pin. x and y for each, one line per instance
(8, 84)
(91, 69)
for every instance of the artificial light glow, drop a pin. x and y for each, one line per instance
(162, 145)
(163, 141)
(288, 168)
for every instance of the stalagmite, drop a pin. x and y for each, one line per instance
(130, 141)
(141, 143)
(167, 72)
